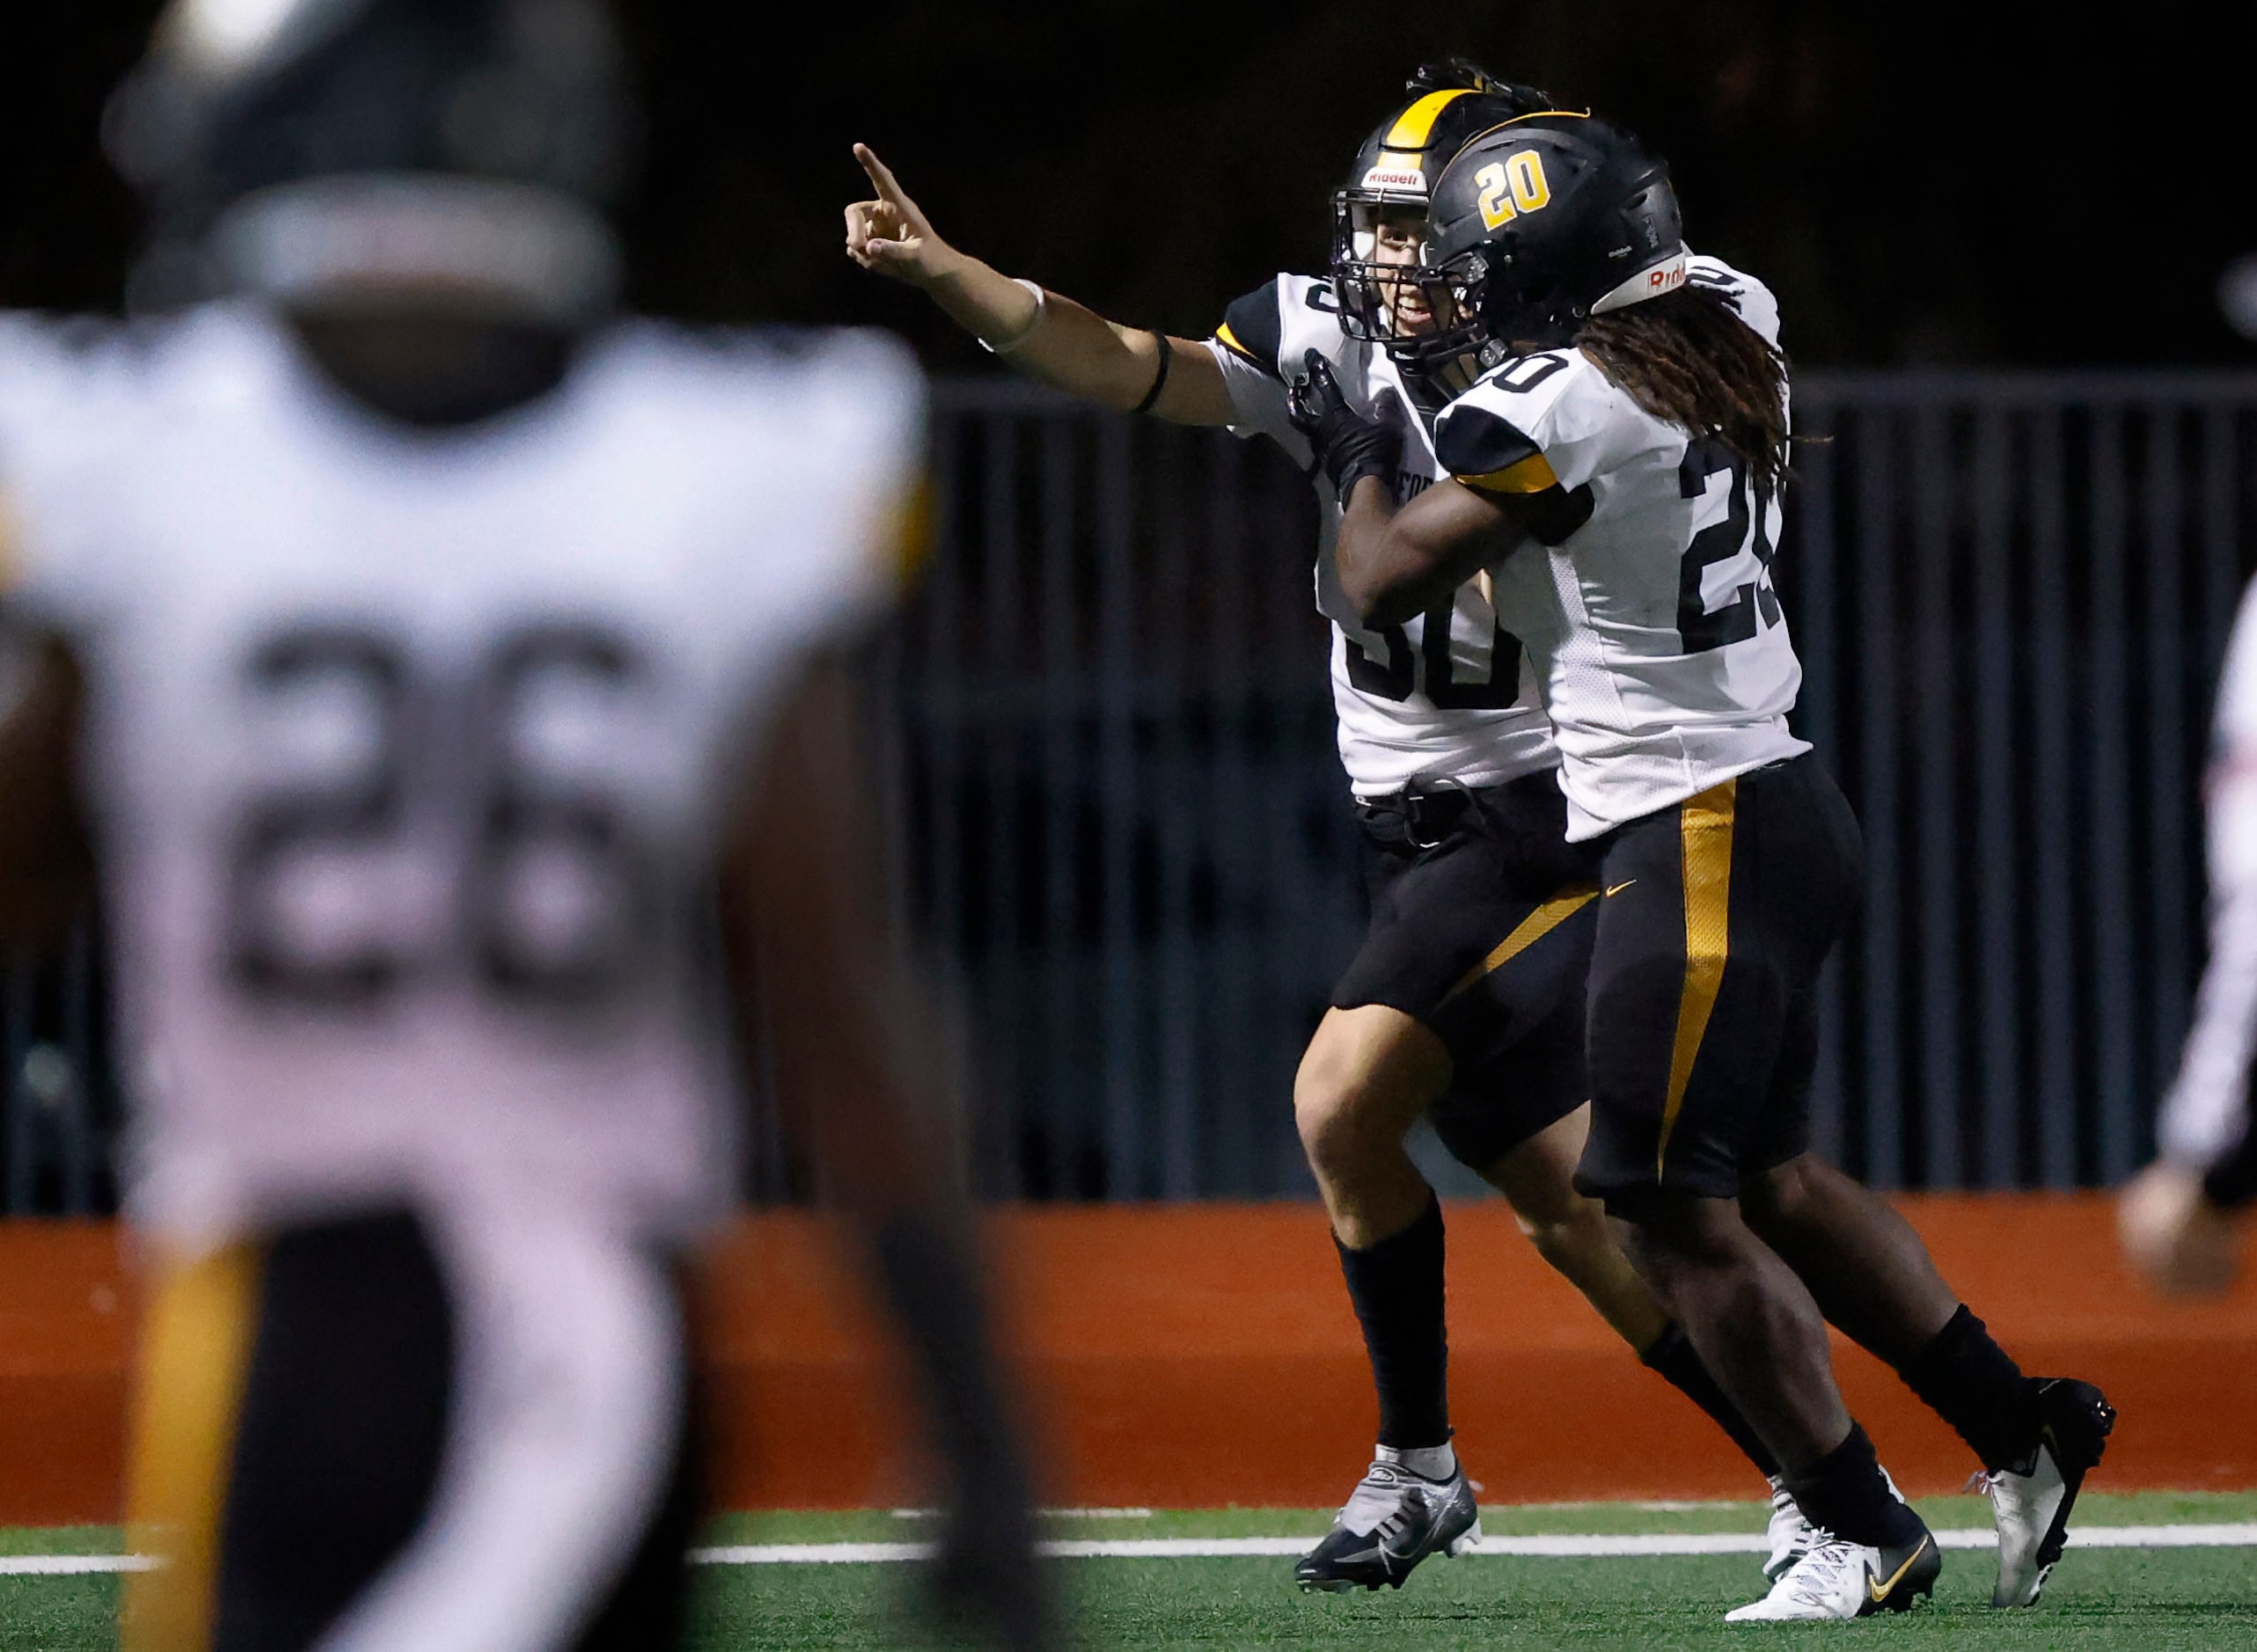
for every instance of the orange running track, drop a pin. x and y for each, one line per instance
(1201, 1356)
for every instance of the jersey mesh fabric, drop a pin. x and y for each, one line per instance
(1655, 633)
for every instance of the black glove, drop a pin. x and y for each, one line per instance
(1349, 446)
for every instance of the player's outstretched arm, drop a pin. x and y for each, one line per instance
(1053, 338)
(45, 866)
(858, 1076)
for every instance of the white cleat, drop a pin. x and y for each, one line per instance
(1838, 1579)
(1790, 1535)
(1393, 1520)
(2030, 1507)
(1790, 1532)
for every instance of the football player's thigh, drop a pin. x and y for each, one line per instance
(1525, 995)
(310, 1421)
(1367, 1075)
(1782, 1130)
(294, 1403)
(1636, 982)
(1459, 943)
(1531, 1090)
(1669, 1004)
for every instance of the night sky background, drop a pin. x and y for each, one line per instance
(1922, 183)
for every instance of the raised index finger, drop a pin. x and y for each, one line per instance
(881, 176)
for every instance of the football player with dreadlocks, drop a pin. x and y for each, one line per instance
(1465, 1002)
(1616, 471)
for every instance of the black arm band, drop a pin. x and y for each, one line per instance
(1159, 379)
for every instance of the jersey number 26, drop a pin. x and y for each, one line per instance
(445, 772)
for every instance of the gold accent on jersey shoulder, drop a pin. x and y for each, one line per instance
(1415, 125)
(1228, 340)
(1531, 475)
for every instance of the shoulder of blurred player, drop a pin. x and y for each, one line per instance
(849, 405)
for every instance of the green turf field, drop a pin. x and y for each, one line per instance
(2145, 1599)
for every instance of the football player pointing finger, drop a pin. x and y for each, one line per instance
(1464, 1002)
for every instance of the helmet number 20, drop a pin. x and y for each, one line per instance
(1512, 187)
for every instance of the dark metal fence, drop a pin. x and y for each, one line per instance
(1126, 841)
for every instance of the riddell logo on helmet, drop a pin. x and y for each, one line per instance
(1660, 281)
(1394, 178)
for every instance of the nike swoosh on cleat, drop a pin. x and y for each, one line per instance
(1625, 884)
(1879, 1590)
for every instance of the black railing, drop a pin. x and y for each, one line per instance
(1125, 838)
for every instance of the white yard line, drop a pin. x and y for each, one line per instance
(1046, 1514)
(1577, 1546)
(71, 1565)
(1567, 1546)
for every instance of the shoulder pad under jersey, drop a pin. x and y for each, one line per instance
(1750, 299)
(1276, 325)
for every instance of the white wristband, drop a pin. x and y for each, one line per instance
(1006, 346)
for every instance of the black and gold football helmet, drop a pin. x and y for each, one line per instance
(1540, 225)
(1395, 173)
(275, 144)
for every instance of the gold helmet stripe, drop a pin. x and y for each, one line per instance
(1415, 125)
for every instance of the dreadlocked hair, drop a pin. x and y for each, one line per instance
(1688, 358)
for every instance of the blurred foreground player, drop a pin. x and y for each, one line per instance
(2176, 1216)
(1616, 471)
(431, 647)
(1464, 1002)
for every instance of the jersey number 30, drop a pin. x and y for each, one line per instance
(556, 897)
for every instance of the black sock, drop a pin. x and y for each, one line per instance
(1844, 1494)
(1397, 1286)
(1674, 1356)
(1969, 1381)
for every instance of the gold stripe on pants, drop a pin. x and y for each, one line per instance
(1705, 824)
(195, 1355)
(1527, 932)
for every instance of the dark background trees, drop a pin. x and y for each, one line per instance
(1922, 182)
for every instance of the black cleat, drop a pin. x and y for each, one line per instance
(2030, 1503)
(1393, 1520)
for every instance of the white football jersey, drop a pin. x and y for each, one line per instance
(1646, 603)
(2207, 1114)
(409, 753)
(1448, 694)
